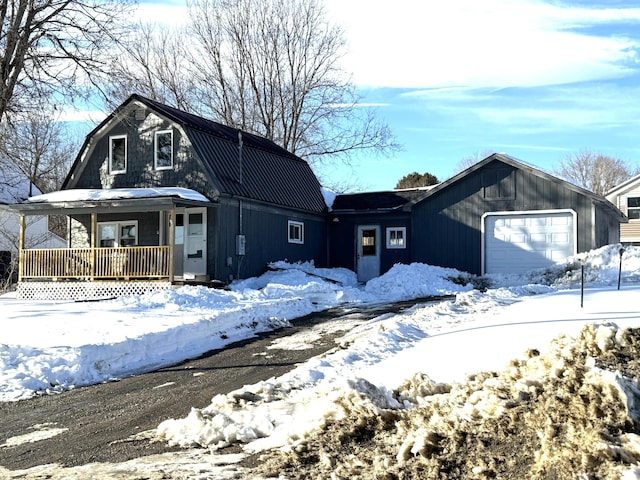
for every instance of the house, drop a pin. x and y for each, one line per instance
(498, 216)
(369, 232)
(626, 197)
(15, 188)
(157, 195)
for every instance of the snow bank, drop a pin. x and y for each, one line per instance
(53, 346)
(569, 413)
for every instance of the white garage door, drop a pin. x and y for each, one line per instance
(517, 243)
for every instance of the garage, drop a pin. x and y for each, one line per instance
(517, 242)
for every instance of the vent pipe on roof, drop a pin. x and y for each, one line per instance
(240, 156)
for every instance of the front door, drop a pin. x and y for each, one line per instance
(368, 261)
(195, 242)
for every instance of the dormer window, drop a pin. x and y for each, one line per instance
(163, 150)
(118, 154)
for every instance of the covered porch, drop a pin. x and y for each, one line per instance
(120, 241)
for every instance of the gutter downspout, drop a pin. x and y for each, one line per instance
(239, 239)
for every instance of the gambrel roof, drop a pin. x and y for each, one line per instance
(239, 164)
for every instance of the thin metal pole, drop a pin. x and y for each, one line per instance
(620, 269)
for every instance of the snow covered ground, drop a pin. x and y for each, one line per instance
(53, 346)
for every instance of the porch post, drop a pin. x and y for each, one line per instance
(172, 240)
(21, 255)
(94, 235)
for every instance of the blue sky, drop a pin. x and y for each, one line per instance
(538, 80)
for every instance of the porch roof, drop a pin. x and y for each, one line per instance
(125, 200)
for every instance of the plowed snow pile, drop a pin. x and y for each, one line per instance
(571, 413)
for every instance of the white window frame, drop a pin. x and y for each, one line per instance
(118, 231)
(632, 208)
(298, 226)
(155, 149)
(390, 243)
(111, 140)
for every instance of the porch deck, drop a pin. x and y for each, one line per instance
(121, 263)
(93, 273)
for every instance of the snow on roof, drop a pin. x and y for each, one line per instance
(329, 197)
(87, 194)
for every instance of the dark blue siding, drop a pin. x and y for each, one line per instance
(448, 224)
(266, 233)
(343, 237)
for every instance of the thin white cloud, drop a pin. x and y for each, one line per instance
(161, 12)
(418, 43)
(536, 110)
(89, 116)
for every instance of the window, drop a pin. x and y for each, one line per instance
(164, 150)
(397, 237)
(633, 208)
(118, 234)
(296, 232)
(118, 154)
(368, 242)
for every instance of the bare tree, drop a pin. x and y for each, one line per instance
(37, 149)
(270, 67)
(54, 46)
(35, 157)
(273, 67)
(155, 62)
(595, 171)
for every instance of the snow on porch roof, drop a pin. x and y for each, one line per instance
(90, 194)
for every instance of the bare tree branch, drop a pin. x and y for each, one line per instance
(270, 67)
(595, 171)
(55, 46)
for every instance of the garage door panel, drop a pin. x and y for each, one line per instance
(560, 238)
(522, 242)
(539, 238)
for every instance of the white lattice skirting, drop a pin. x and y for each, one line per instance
(85, 290)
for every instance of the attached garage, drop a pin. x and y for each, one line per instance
(502, 215)
(517, 242)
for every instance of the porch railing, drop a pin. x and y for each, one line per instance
(96, 263)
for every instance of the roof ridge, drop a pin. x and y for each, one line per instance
(219, 129)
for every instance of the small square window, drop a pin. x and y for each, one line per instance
(163, 150)
(397, 237)
(118, 154)
(296, 232)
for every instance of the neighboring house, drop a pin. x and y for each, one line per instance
(13, 189)
(498, 216)
(626, 197)
(158, 196)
